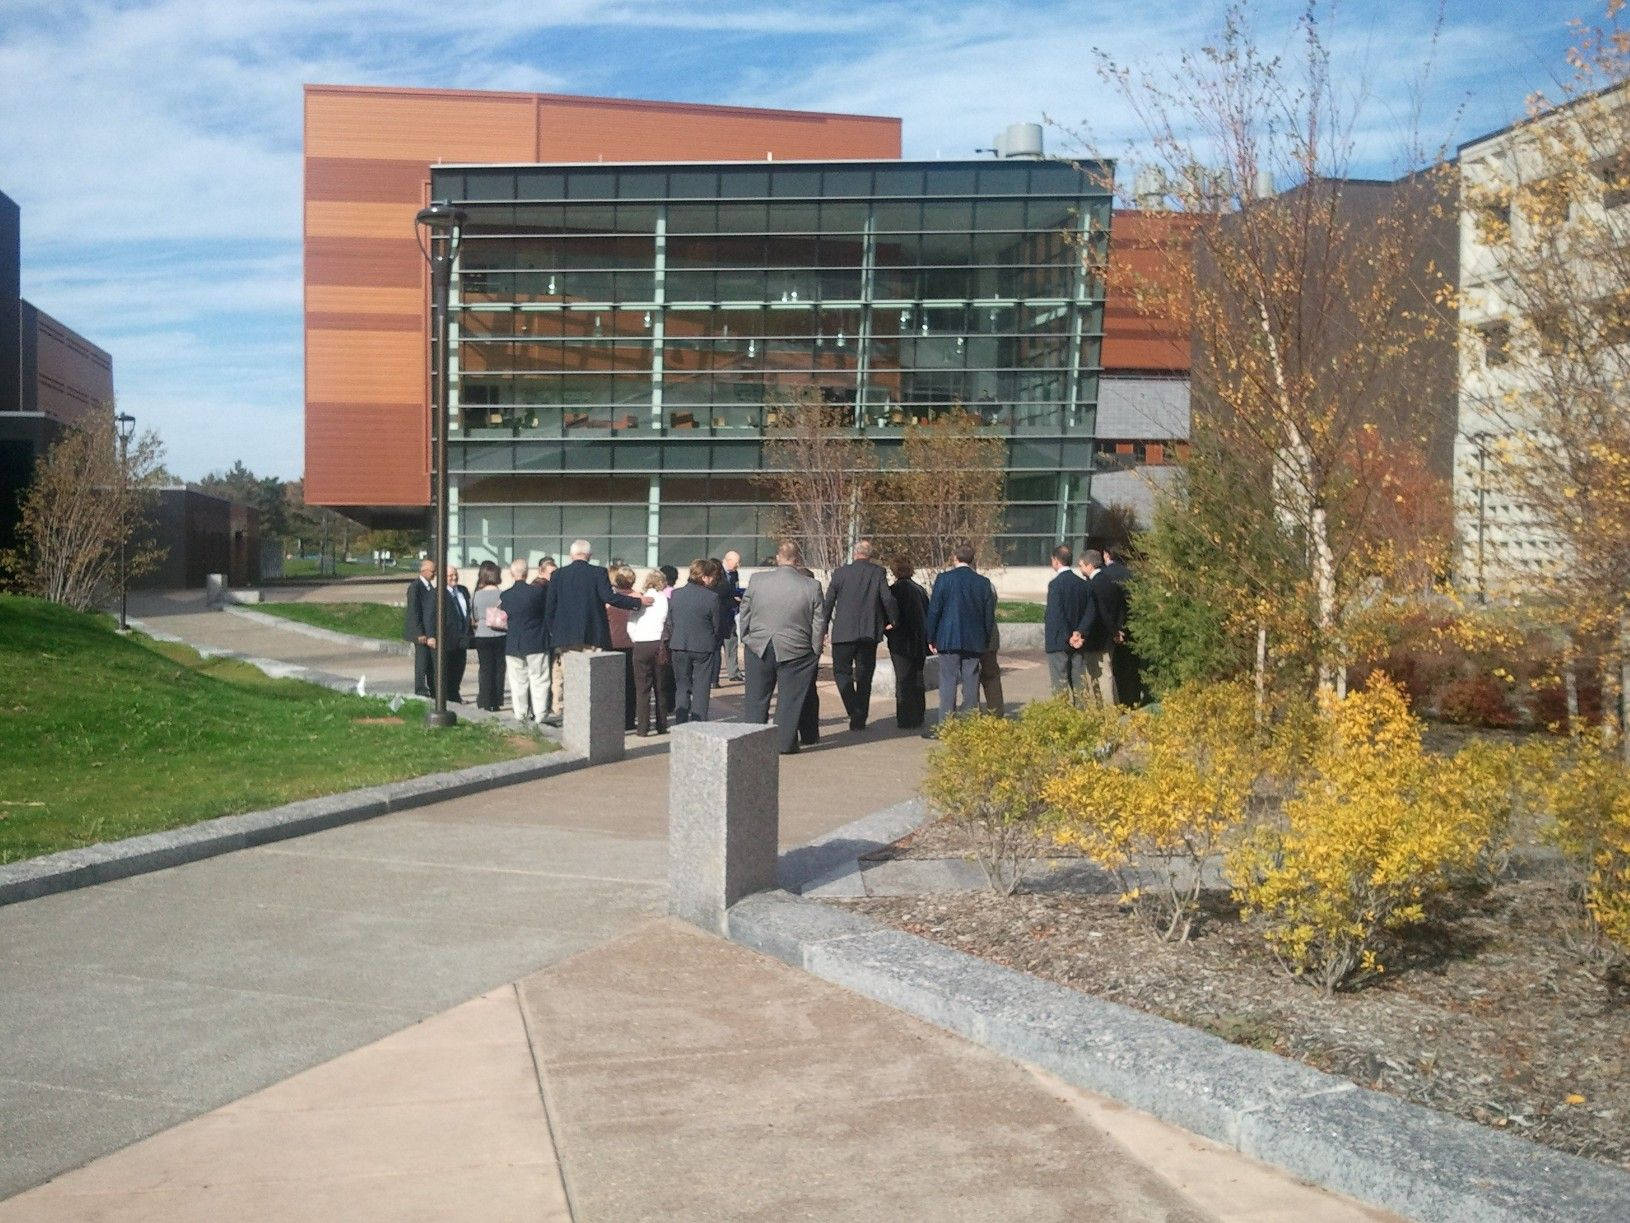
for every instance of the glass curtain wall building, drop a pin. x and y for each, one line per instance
(625, 334)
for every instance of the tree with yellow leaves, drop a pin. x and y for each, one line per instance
(1318, 306)
(1547, 351)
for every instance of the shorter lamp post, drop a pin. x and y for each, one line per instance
(437, 228)
(126, 424)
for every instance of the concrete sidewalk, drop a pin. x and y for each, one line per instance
(669, 1075)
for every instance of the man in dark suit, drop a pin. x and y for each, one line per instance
(575, 607)
(1102, 619)
(526, 644)
(908, 645)
(695, 613)
(1128, 677)
(460, 634)
(961, 625)
(730, 592)
(419, 626)
(1067, 595)
(782, 623)
(859, 610)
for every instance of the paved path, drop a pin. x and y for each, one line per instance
(472, 1010)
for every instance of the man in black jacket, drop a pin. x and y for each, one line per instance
(1102, 620)
(859, 610)
(1067, 595)
(526, 645)
(419, 626)
(460, 633)
(575, 607)
(908, 646)
(1128, 677)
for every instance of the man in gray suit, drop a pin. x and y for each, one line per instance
(781, 623)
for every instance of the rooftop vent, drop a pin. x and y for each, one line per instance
(1019, 140)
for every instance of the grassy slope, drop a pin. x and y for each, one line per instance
(103, 737)
(363, 619)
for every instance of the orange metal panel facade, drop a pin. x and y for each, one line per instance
(367, 158)
(1142, 247)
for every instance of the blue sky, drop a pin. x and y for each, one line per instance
(154, 145)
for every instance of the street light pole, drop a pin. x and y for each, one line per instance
(126, 425)
(438, 229)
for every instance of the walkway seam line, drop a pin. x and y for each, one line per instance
(549, 1119)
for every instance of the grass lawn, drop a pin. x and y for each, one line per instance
(1014, 611)
(103, 737)
(363, 619)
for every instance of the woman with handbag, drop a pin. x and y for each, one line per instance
(491, 628)
(646, 631)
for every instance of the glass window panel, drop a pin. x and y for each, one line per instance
(743, 218)
(961, 180)
(737, 284)
(897, 217)
(855, 182)
(898, 180)
(793, 217)
(843, 217)
(948, 214)
(953, 249)
(635, 287)
(841, 284)
(897, 250)
(1004, 178)
(948, 283)
(590, 185)
(641, 184)
(540, 185)
(795, 183)
(479, 185)
(744, 183)
(592, 218)
(692, 218)
(895, 284)
(790, 251)
(842, 251)
(690, 286)
(637, 218)
(1053, 215)
(693, 184)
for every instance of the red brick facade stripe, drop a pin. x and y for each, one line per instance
(370, 262)
(328, 320)
(362, 180)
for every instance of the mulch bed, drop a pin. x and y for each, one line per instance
(1491, 1016)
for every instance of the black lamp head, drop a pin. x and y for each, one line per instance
(126, 425)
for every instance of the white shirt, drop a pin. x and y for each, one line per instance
(646, 624)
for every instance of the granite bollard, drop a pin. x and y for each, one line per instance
(724, 817)
(594, 715)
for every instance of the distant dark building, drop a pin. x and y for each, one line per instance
(51, 378)
(202, 535)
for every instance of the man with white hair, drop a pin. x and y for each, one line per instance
(575, 607)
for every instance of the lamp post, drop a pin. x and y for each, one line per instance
(437, 228)
(126, 424)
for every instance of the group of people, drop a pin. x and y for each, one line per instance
(682, 641)
(1088, 655)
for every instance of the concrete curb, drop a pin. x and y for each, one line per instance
(156, 851)
(370, 644)
(1385, 1151)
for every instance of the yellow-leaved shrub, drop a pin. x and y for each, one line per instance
(986, 775)
(1589, 800)
(1157, 817)
(1378, 827)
